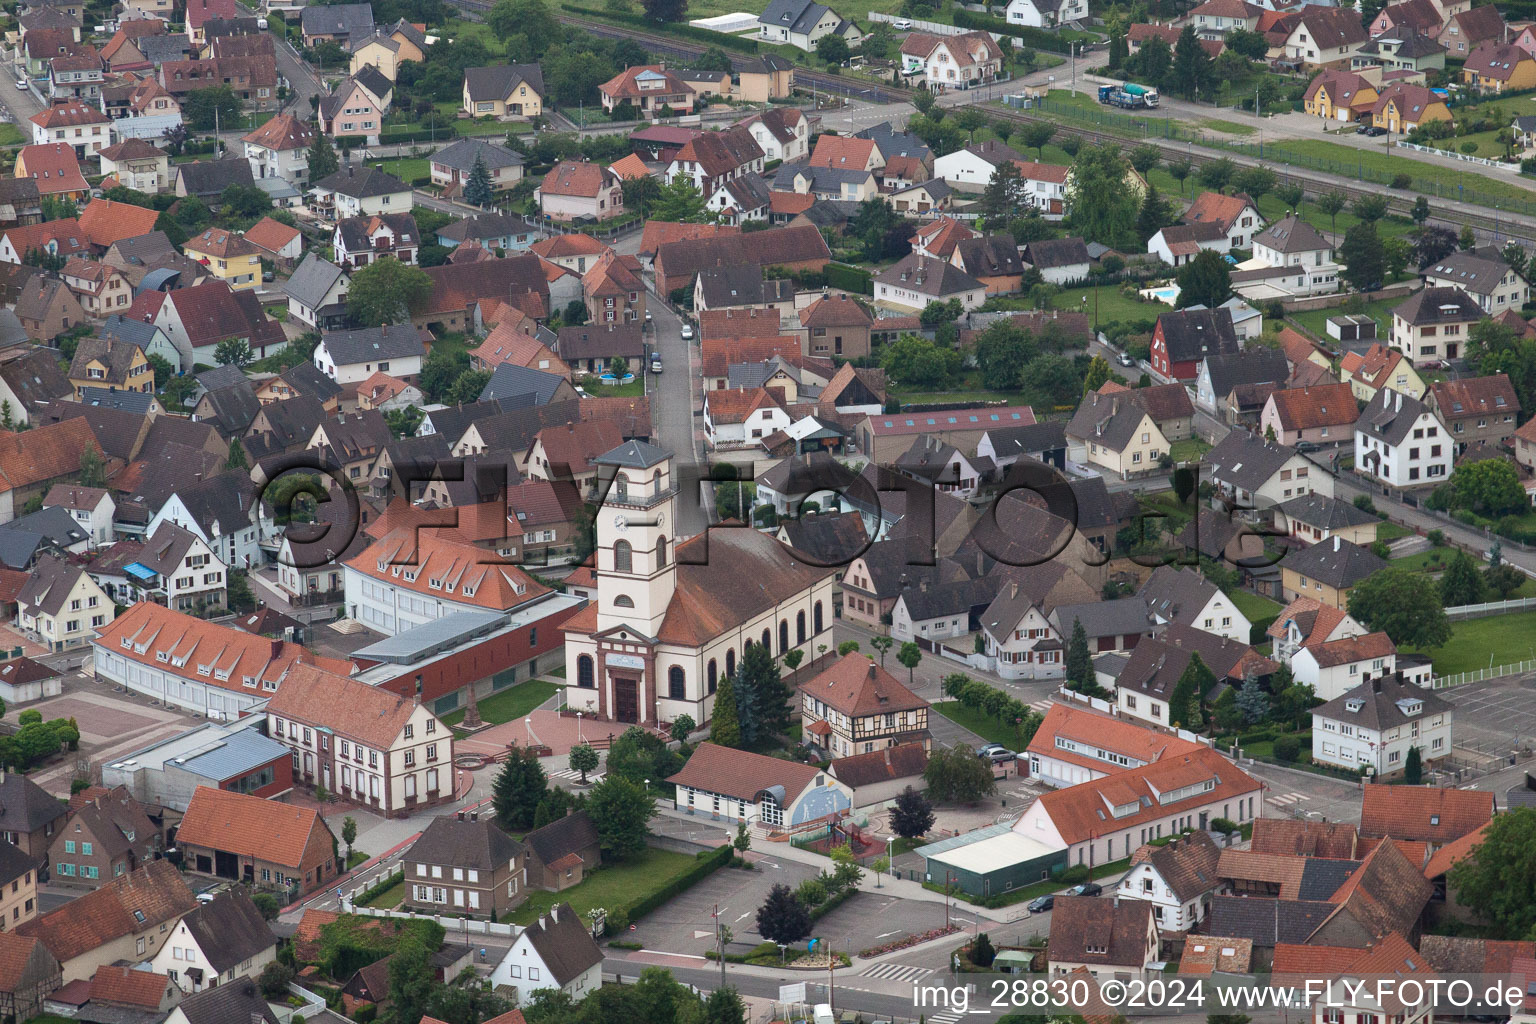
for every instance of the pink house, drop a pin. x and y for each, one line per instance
(1324, 414)
(351, 111)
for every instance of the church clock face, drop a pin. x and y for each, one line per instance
(620, 523)
(661, 519)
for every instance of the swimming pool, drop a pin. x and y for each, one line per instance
(1168, 294)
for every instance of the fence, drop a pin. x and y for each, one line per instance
(1487, 608)
(465, 926)
(1492, 672)
(933, 28)
(1463, 157)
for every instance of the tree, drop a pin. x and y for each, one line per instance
(982, 953)
(621, 810)
(762, 698)
(477, 190)
(1217, 174)
(1145, 157)
(1363, 256)
(202, 109)
(743, 841)
(1467, 239)
(1503, 579)
(1255, 182)
(235, 457)
(1004, 193)
(682, 727)
(957, 774)
(1099, 204)
(1489, 487)
(1291, 196)
(233, 352)
(1180, 170)
(467, 387)
(724, 727)
(909, 655)
(275, 977)
(1402, 604)
(1036, 135)
(1420, 212)
(517, 790)
(583, 759)
(881, 644)
(1332, 203)
(349, 834)
(530, 19)
(912, 816)
(387, 291)
(723, 1005)
(833, 49)
(1396, 252)
(1460, 583)
(1253, 701)
(916, 362)
(411, 978)
(1097, 374)
(1370, 208)
(322, 158)
(847, 647)
(1431, 244)
(1413, 766)
(1250, 44)
(1079, 660)
(639, 754)
(1205, 279)
(1154, 214)
(93, 470)
(782, 917)
(1496, 881)
(1188, 692)
(1191, 64)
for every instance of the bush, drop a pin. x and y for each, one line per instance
(1223, 825)
(1037, 38)
(1258, 633)
(704, 35)
(850, 279)
(378, 887)
(1257, 736)
(1287, 748)
(366, 1013)
(1403, 181)
(1436, 538)
(1072, 875)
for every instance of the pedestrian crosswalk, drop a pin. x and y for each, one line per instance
(1285, 799)
(575, 776)
(946, 1018)
(1042, 706)
(895, 972)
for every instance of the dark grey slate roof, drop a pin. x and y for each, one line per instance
(463, 154)
(571, 834)
(1245, 460)
(19, 547)
(798, 16)
(1194, 334)
(225, 499)
(509, 381)
(372, 79)
(233, 407)
(306, 379)
(1127, 615)
(53, 524)
(1110, 420)
(129, 401)
(498, 81)
(492, 224)
(449, 842)
(1028, 440)
(135, 331)
(1336, 562)
(564, 944)
(370, 344)
(162, 48)
(1256, 365)
(1322, 511)
(633, 455)
(1177, 595)
(358, 182)
(1265, 921)
(236, 1001)
(339, 20)
(893, 143)
(25, 806)
(1390, 416)
(928, 276)
(204, 178)
(1383, 703)
(221, 377)
(229, 930)
(1321, 877)
(311, 280)
(1056, 252)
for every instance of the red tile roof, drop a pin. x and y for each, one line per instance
(1427, 813)
(1112, 734)
(270, 234)
(741, 774)
(249, 826)
(38, 454)
(842, 152)
(735, 324)
(53, 166)
(130, 904)
(1327, 405)
(1216, 208)
(124, 986)
(70, 114)
(1354, 648)
(576, 178)
(106, 222)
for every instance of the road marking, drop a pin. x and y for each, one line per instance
(701, 934)
(743, 917)
(575, 776)
(945, 1018)
(1285, 799)
(895, 972)
(884, 934)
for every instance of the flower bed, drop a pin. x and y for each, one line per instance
(910, 940)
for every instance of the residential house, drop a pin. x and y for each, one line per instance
(1060, 261)
(1335, 667)
(711, 159)
(137, 164)
(107, 836)
(490, 231)
(54, 168)
(1109, 938)
(1410, 53)
(1402, 107)
(466, 863)
(1340, 95)
(91, 508)
(573, 190)
(1221, 375)
(1324, 37)
(61, 605)
(1116, 433)
(337, 23)
(1399, 441)
(993, 260)
(963, 61)
(1324, 414)
(782, 133)
(1184, 596)
(1074, 745)
(793, 248)
(1475, 410)
(225, 939)
(1434, 323)
(357, 191)
(1182, 340)
(1377, 722)
(1327, 571)
(1482, 273)
(1413, 15)
(172, 566)
(504, 90)
(228, 256)
(1464, 31)
(1378, 367)
(914, 281)
(280, 149)
(119, 921)
(1292, 242)
(803, 23)
(100, 288)
(278, 242)
(352, 356)
(262, 843)
(614, 290)
(359, 241)
(510, 381)
(559, 854)
(196, 319)
(648, 88)
(741, 416)
(74, 124)
(64, 237)
(452, 165)
(110, 363)
(226, 1002)
(592, 349)
(1016, 626)
(836, 325)
(1308, 622)
(1178, 879)
(317, 293)
(207, 179)
(1046, 13)
(388, 47)
(1237, 215)
(555, 952)
(1314, 518)
(1423, 814)
(1215, 18)
(30, 817)
(47, 308)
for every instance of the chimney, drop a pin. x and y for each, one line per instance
(461, 815)
(1376, 685)
(1335, 542)
(474, 815)
(1013, 589)
(871, 670)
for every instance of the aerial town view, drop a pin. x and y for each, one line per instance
(682, 512)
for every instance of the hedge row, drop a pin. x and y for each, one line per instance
(704, 35)
(377, 887)
(707, 864)
(850, 279)
(1038, 38)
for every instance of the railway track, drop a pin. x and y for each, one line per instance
(1510, 227)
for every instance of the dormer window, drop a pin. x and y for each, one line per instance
(1354, 705)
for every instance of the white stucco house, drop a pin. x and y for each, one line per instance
(1378, 722)
(1046, 13)
(1400, 442)
(1178, 879)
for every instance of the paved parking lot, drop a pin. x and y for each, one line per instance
(1495, 717)
(686, 924)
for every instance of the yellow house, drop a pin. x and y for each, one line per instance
(1499, 67)
(1116, 433)
(1340, 96)
(228, 257)
(62, 604)
(1402, 108)
(506, 90)
(116, 364)
(1378, 367)
(388, 48)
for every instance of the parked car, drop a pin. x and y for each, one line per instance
(22, 85)
(996, 753)
(1308, 446)
(1124, 359)
(1086, 889)
(1042, 903)
(655, 362)
(1375, 131)
(901, 25)
(687, 332)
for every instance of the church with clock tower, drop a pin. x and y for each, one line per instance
(673, 618)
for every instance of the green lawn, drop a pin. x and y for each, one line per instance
(1432, 560)
(1389, 532)
(407, 169)
(1230, 127)
(634, 389)
(1191, 449)
(1316, 320)
(1432, 178)
(511, 703)
(390, 897)
(989, 729)
(10, 135)
(1478, 643)
(1254, 606)
(1112, 306)
(610, 886)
